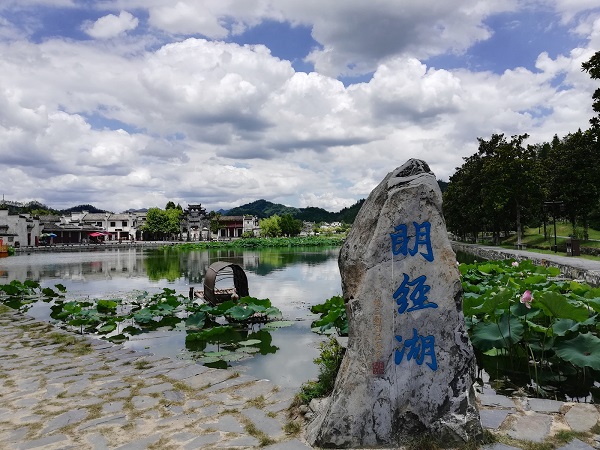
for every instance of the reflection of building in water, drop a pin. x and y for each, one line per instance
(92, 266)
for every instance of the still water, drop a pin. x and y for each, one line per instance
(293, 279)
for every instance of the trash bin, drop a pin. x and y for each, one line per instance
(573, 247)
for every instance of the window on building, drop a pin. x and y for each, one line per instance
(113, 224)
(124, 223)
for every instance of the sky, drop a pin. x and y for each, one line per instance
(129, 104)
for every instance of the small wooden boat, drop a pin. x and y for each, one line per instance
(223, 281)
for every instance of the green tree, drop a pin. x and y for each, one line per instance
(574, 176)
(592, 67)
(157, 223)
(512, 189)
(173, 221)
(215, 222)
(290, 226)
(170, 205)
(270, 227)
(463, 201)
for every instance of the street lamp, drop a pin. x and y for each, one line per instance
(554, 204)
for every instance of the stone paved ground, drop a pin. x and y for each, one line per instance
(65, 391)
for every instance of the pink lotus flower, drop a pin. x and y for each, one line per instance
(527, 298)
(515, 264)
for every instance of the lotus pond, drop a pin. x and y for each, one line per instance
(140, 298)
(533, 332)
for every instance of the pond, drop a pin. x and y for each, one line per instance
(293, 279)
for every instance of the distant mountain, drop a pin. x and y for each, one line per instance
(263, 209)
(141, 210)
(80, 208)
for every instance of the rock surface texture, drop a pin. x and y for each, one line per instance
(409, 367)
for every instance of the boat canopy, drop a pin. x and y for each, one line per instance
(219, 271)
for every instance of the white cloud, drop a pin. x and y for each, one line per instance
(111, 26)
(123, 123)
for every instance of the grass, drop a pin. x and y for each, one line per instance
(535, 241)
(69, 344)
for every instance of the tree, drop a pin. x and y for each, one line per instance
(215, 222)
(290, 226)
(170, 205)
(157, 223)
(512, 188)
(498, 188)
(270, 227)
(592, 67)
(574, 176)
(463, 201)
(173, 221)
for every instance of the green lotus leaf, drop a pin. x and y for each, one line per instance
(196, 321)
(209, 359)
(273, 313)
(231, 357)
(556, 305)
(217, 354)
(107, 328)
(108, 306)
(561, 327)
(248, 350)
(144, 315)
(488, 335)
(581, 351)
(249, 342)
(132, 330)
(279, 324)
(536, 327)
(265, 303)
(208, 334)
(594, 303)
(239, 313)
(117, 338)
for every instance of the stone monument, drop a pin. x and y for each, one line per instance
(409, 367)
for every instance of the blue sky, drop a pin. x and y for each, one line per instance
(134, 103)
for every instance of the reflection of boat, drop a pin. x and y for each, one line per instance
(223, 281)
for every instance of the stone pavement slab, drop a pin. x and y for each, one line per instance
(582, 417)
(576, 444)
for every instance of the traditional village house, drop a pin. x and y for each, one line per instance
(18, 229)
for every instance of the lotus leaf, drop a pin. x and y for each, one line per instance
(108, 306)
(556, 305)
(561, 327)
(582, 351)
(117, 338)
(503, 334)
(537, 327)
(248, 350)
(279, 324)
(231, 357)
(196, 321)
(143, 316)
(210, 359)
(107, 328)
(249, 342)
(217, 354)
(239, 313)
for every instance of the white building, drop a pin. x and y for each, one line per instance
(19, 229)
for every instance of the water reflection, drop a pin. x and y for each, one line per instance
(293, 279)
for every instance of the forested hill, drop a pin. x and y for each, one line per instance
(264, 208)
